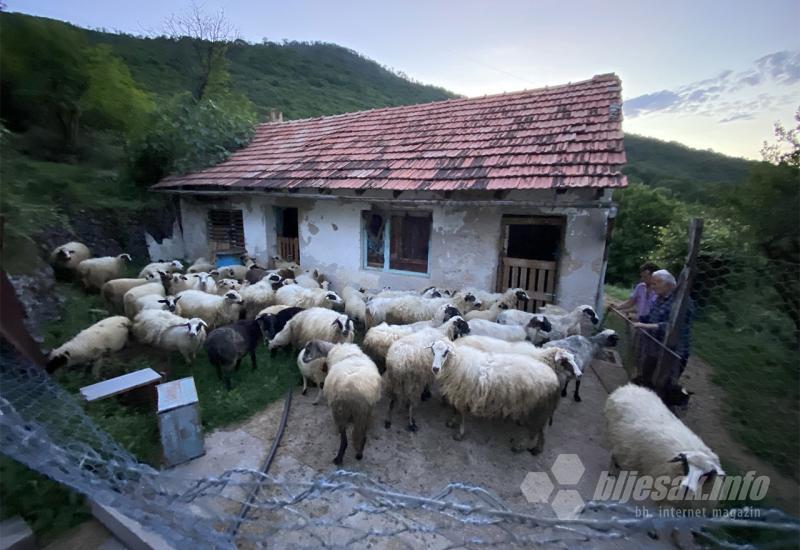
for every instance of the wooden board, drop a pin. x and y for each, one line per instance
(120, 384)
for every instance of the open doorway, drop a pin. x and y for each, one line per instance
(286, 230)
(529, 257)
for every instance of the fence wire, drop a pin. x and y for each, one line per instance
(44, 427)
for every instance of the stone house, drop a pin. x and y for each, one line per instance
(490, 192)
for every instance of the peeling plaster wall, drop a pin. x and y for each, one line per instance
(465, 241)
(169, 248)
(581, 265)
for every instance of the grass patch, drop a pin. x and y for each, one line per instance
(50, 508)
(617, 292)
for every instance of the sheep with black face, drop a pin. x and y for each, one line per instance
(584, 349)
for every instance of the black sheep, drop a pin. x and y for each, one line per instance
(273, 323)
(227, 345)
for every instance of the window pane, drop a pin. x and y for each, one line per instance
(410, 236)
(374, 226)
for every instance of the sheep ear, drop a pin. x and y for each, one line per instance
(162, 301)
(337, 322)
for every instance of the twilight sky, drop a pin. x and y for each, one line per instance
(713, 74)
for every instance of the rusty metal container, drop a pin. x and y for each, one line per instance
(179, 421)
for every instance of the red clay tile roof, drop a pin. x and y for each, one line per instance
(563, 136)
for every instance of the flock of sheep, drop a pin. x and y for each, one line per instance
(486, 358)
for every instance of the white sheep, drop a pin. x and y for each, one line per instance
(497, 385)
(214, 310)
(379, 339)
(570, 368)
(413, 308)
(280, 263)
(69, 255)
(647, 438)
(130, 297)
(352, 388)
(489, 314)
(316, 323)
(114, 290)
(153, 268)
(206, 283)
(170, 332)
(509, 333)
(306, 280)
(355, 305)
(154, 301)
(258, 296)
(584, 349)
(238, 272)
(509, 297)
(578, 321)
(178, 282)
(92, 344)
(95, 272)
(312, 366)
(408, 373)
(200, 265)
(295, 295)
(224, 285)
(272, 310)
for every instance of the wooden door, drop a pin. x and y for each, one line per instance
(537, 273)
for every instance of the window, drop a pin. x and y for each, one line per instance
(397, 241)
(225, 230)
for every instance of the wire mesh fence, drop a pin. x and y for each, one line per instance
(43, 427)
(744, 331)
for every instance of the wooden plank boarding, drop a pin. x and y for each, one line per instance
(120, 384)
(289, 249)
(536, 277)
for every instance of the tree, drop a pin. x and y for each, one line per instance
(643, 212)
(211, 34)
(787, 148)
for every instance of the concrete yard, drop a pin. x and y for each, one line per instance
(423, 462)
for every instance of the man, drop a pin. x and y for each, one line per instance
(656, 321)
(643, 297)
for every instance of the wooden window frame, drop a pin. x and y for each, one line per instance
(387, 240)
(234, 228)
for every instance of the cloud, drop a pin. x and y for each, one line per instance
(730, 95)
(737, 116)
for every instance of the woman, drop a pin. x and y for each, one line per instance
(643, 297)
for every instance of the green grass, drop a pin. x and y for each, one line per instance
(50, 508)
(617, 292)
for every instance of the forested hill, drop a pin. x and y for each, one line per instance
(300, 79)
(692, 174)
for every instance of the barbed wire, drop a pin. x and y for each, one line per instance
(44, 427)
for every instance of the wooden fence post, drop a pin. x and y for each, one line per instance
(683, 292)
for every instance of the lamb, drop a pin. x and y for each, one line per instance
(92, 344)
(647, 438)
(170, 332)
(355, 305)
(114, 290)
(227, 345)
(316, 323)
(154, 267)
(95, 272)
(273, 323)
(410, 309)
(408, 373)
(509, 333)
(200, 265)
(224, 285)
(295, 295)
(497, 385)
(584, 349)
(65, 258)
(306, 280)
(214, 310)
(352, 388)
(129, 298)
(178, 282)
(487, 314)
(311, 362)
(575, 322)
(379, 339)
(206, 283)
